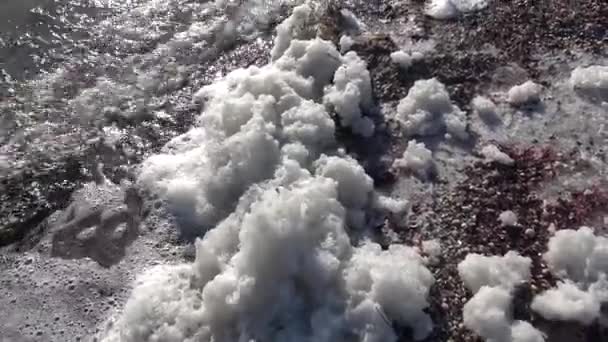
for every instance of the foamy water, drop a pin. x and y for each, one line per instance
(155, 122)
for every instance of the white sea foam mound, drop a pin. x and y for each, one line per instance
(567, 302)
(579, 255)
(283, 271)
(492, 280)
(522, 331)
(346, 43)
(591, 81)
(354, 185)
(525, 93)
(446, 9)
(580, 258)
(487, 313)
(262, 173)
(350, 93)
(253, 119)
(486, 109)
(507, 271)
(294, 26)
(416, 158)
(427, 110)
(402, 58)
(441, 9)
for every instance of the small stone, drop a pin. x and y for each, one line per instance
(530, 232)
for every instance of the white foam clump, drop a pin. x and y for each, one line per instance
(262, 170)
(446, 9)
(493, 279)
(284, 271)
(522, 331)
(567, 302)
(491, 153)
(427, 110)
(591, 81)
(441, 9)
(391, 204)
(580, 258)
(346, 43)
(253, 118)
(350, 93)
(294, 26)
(485, 108)
(371, 281)
(487, 312)
(402, 58)
(579, 255)
(525, 93)
(432, 248)
(488, 315)
(416, 158)
(505, 271)
(355, 187)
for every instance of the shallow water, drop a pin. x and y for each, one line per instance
(80, 76)
(28, 30)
